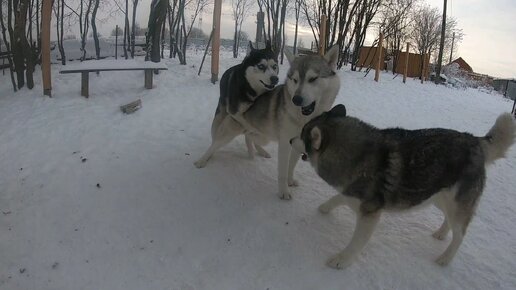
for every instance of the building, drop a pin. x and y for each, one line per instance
(463, 65)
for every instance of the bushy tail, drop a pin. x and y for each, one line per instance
(499, 138)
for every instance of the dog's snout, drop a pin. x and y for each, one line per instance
(274, 80)
(297, 100)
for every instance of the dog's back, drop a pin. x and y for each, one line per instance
(398, 168)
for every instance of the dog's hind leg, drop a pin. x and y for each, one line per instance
(226, 132)
(364, 228)
(440, 203)
(459, 211)
(340, 199)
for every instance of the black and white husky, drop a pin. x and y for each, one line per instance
(242, 84)
(395, 169)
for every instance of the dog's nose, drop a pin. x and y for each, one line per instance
(274, 80)
(290, 141)
(297, 100)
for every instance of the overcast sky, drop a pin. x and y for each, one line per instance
(489, 27)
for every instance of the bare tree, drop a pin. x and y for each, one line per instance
(24, 57)
(240, 10)
(426, 27)
(276, 12)
(133, 35)
(94, 27)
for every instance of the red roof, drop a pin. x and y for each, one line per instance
(463, 64)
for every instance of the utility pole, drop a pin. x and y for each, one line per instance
(451, 52)
(441, 48)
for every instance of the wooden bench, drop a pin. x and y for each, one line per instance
(4, 56)
(111, 65)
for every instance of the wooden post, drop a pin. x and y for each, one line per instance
(46, 14)
(85, 82)
(405, 69)
(216, 42)
(380, 59)
(423, 71)
(322, 36)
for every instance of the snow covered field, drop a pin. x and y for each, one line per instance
(94, 199)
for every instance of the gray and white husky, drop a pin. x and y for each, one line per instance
(396, 169)
(280, 114)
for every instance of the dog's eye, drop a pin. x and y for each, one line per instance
(295, 81)
(261, 66)
(275, 67)
(311, 80)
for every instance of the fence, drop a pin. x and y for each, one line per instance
(368, 56)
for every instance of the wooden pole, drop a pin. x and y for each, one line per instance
(322, 36)
(405, 69)
(380, 59)
(216, 42)
(46, 14)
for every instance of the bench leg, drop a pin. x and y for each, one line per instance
(85, 80)
(148, 79)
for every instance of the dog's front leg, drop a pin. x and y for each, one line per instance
(292, 162)
(283, 168)
(364, 227)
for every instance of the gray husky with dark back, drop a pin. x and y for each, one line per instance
(279, 115)
(397, 169)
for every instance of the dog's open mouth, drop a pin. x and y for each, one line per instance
(304, 156)
(307, 110)
(270, 87)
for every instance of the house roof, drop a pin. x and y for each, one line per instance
(463, 64)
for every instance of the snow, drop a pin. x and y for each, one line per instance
(156, 222)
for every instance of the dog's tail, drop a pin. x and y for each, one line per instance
(499, 138)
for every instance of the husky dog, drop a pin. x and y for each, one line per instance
(397, 169)
(241, 84)
(280, 114)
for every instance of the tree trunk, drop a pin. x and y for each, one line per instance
(94, 28)
(126, 28)
(235, 53)
(24, 58)
(156, 19)
(133, 35)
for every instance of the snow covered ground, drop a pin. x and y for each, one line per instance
(94, 199)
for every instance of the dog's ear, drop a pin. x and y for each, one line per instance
(338, 111)
(316, 138)
(251, 45)
(332, 56)
(290, 56)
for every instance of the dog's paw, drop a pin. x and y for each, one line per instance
(285, 196)
(324, 208)
(200, 163)
(338, 262)
(293, 183)
(439, 235)
(443, 260)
